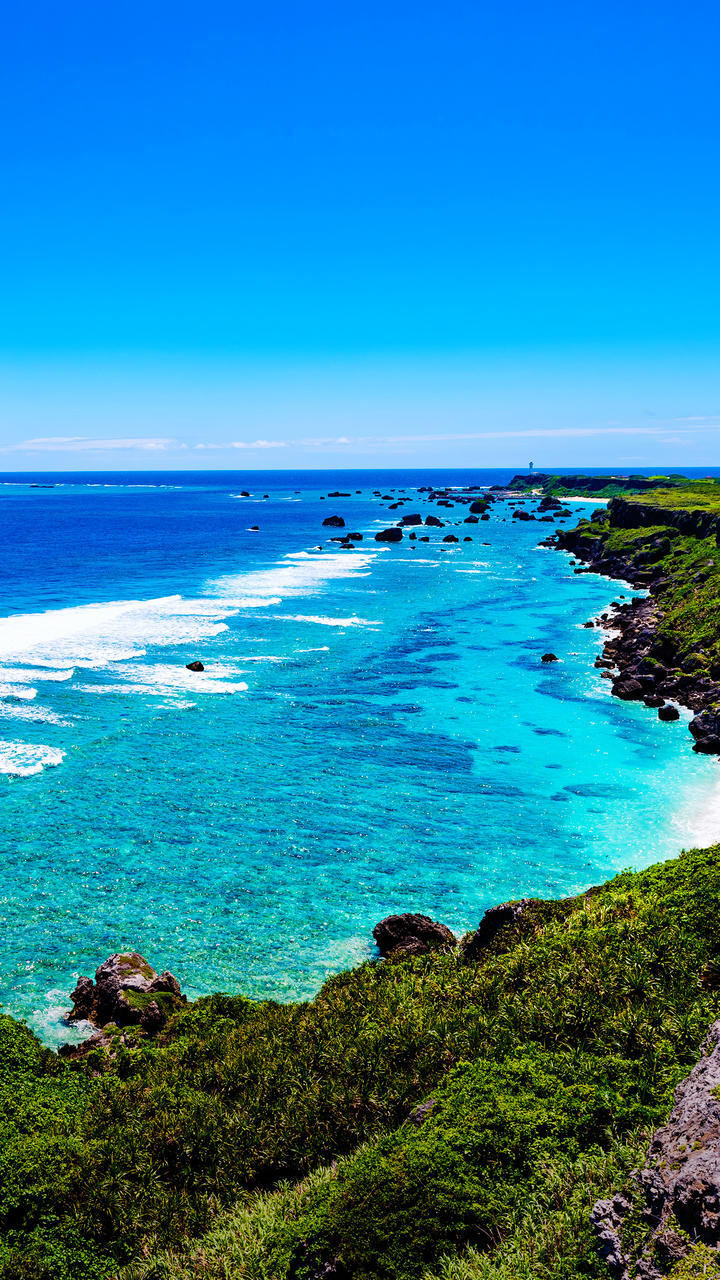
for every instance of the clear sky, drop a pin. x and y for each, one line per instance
(353, 234)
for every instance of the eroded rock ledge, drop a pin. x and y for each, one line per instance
(673, 1204)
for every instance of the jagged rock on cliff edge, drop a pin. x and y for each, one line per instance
(110, 997)
(677, 1194)
(473, 945)
(412, 934)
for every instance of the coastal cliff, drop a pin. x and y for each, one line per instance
(664, 647)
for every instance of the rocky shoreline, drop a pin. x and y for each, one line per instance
(644, 665)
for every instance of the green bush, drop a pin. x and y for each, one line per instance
(426, 1190)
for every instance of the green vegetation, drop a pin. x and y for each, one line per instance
(600, 486)
(684, 495)
(688, 589)
(285, 1133)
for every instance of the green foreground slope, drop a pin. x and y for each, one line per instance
(543, 1063)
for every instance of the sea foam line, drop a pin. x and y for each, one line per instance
(23, 759)
(300, 573)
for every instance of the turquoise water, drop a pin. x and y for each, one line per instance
(374, 732)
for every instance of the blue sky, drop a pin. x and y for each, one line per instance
(394, 234)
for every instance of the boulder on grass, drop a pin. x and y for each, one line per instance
(412, 935)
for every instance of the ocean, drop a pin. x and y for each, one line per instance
(373, 731)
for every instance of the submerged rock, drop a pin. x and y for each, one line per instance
(412, 935)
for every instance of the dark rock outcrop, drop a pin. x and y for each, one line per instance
(413, 518)
(705, 729)
(628, 690)
(549, 657)
(119, 994)
(674, 1202)
(389, 535)
(435, 522)
(412, 935)
(474, 945)
(194, 666)
(668, 712)
(335, 522)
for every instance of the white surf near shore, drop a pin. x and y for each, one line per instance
(111, 639)
(23, 759)
(300, 573)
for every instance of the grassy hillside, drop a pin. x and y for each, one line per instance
(299, 1135)
(686, 495)
(609, 486)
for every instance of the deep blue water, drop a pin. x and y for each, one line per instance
(373, 732)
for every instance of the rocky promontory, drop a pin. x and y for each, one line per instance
(127, 992)
(662, 648)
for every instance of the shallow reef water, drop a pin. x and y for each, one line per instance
(374, 730)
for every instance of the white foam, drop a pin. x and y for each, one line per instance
(39, 715)
(161, 679)
(27, 675)
(50, 1025)
(22, 758)
(17, 691)
(301, 573)
(95, 634)
(328, 622)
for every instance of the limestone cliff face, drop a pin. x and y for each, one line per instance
(641, 515)
(673, 1203)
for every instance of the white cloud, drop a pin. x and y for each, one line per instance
(83, 444)
(658, 431)
(247, 444)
